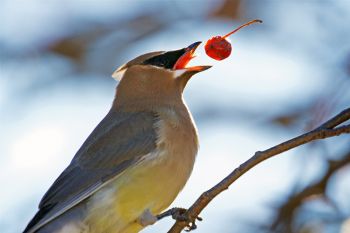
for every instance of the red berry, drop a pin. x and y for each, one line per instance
(218, 48)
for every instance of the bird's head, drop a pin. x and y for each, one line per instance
(155, 78)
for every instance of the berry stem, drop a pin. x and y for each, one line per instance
(244, 25)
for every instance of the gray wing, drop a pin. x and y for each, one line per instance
(118, 142)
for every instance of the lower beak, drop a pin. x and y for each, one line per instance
(196, 69)
(187, 57)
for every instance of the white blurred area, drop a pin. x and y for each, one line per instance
(46, 114)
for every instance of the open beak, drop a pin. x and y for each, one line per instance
(185, 58)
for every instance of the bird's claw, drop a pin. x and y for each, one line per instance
(180, 214)
(192, 224)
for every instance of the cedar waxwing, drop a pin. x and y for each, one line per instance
(138, 158)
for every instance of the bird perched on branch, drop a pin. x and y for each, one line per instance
(136, 161)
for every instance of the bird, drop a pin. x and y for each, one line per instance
(137, 159)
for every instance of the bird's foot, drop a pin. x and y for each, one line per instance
(180, 214)
(147, 218)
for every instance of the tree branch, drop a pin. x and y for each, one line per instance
(326, 130)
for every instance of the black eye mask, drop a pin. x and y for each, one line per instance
(166, 60)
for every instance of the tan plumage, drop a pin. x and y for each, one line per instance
(135, 162)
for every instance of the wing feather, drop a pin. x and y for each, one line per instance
(119, 141)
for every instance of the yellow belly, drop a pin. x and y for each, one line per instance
(151, 185)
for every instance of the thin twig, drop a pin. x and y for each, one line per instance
(326, 130)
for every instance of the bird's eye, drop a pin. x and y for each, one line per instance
(166, 60)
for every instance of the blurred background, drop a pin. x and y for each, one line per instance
(284, 77)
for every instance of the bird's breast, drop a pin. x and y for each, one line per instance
(177, 146)
(177, 142)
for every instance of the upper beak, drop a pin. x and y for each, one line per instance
(185, 58)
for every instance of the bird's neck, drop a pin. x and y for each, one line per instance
(153, 104)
